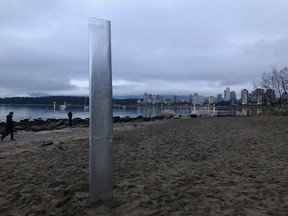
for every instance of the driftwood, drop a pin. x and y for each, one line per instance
(57, 144)
(47, 143)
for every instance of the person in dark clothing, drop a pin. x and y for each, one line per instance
(9, 126)
(70, 114)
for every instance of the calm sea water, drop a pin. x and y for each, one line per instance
(45, 112)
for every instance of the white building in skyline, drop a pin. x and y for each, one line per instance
(227, 94)
(197, 99)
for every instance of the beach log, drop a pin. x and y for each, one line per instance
(47, 143)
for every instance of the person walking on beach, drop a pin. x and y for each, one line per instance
(9, 126)
(70, 114)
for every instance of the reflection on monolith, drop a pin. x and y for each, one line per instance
(101, 113)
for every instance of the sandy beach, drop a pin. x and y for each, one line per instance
(183, 166)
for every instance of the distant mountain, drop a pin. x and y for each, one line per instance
(129, 97)
(69, 100)
(75, 100)
(39, 94)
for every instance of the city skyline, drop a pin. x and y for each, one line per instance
(258, 96)
(237, 96)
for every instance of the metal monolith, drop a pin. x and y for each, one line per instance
(101, 113)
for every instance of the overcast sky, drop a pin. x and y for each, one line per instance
(159, 47)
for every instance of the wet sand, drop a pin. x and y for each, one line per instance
(186, 166)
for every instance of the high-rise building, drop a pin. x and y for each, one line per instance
(219, 97)
(175, 99)
(197, 100)
(145, 98)
(232, 95)
(244, 96)
(211, 99)
(190, 99)
(258, 96)
(227, 94)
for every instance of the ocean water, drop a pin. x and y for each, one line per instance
(46, 112)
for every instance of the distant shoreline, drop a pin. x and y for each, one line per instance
(150, 105)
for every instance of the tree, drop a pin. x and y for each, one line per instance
(275, 84)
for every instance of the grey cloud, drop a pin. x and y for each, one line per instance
(163, 43)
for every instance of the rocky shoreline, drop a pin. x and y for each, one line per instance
(56, 124)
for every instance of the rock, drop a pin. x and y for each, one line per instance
(116, 119)
(139, 117)
(193, 116)
(167, 114)
(37, 128)
(17, 128)
(127, 119)
(58, 123)
(51, 124)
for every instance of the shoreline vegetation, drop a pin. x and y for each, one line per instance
(59, 100)
(175, 166)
